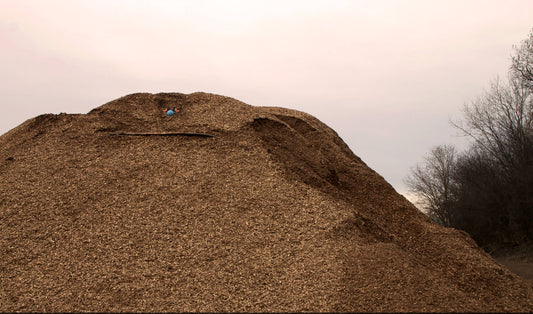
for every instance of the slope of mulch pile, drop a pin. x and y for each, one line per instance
(269, 212)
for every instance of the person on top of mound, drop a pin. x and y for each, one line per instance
(170, 112)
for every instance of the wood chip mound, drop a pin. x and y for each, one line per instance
(271, 213)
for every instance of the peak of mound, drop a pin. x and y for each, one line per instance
(144, 112)
(197, 111)
(272, 213)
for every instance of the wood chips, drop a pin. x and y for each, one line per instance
(273, 213)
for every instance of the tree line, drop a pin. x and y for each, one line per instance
(487, 190)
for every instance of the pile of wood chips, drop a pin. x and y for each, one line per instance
(271, 212)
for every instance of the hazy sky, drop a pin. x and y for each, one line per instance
(386, 75)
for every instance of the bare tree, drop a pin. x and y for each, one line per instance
(495, 177)
(481, 205)
(500, 123)
(522, 62)
(431, 182)
(488, 189)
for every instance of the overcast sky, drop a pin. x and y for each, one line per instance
(386, 75)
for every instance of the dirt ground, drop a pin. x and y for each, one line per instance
(518, 259)
(520, 267)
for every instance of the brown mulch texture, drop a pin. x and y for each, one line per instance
(273, 213)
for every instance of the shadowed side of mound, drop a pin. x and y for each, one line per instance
(427, 263)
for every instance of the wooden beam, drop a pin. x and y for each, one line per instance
(163, 134)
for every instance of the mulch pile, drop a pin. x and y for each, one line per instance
(266, 210)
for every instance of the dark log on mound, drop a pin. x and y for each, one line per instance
(163, 134)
